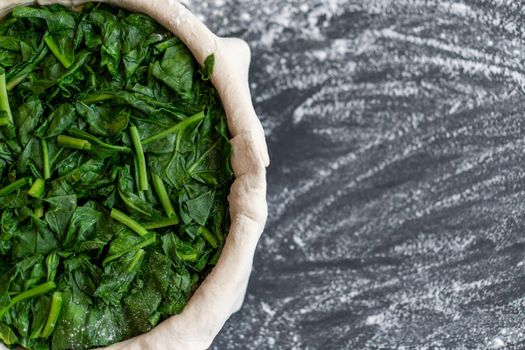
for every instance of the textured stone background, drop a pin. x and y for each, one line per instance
(396, 191)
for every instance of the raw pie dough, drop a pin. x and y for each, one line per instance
(222, 292)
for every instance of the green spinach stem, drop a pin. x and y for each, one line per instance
(161, 223)
(38, 188)
(47, 163)
(52, 262)
(137, 184)
(86, 136)
(174, 129)
(131, 204)
(15, 81)
(4, 99)
(4, 121)
(136, 260)
(98, 98)
(129, 222)
(71, 142)
(187, 256)
(163, 195)
(14, 186)
(39, 290)
(54, 313)
(148, 240)
(141, 159)
(53, 46)
(203, 231)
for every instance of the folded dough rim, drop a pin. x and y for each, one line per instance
(222, 292)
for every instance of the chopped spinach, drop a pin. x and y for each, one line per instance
(114, 176)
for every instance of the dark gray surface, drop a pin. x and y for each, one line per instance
(396, 191)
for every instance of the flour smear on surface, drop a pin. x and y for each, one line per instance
(397, 183)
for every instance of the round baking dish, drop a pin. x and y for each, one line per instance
(222, 292)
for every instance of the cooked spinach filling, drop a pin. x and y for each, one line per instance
(114, 176)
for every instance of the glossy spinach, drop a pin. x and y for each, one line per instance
(114, 176)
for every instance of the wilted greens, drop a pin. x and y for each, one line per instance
(114, 175)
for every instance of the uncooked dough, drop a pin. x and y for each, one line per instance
(222, 292)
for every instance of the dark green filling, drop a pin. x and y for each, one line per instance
(114, 176)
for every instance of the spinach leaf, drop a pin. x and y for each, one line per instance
(58, 121)
(177, 69)
(27, 118)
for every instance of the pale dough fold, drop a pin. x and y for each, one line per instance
(222, 292)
